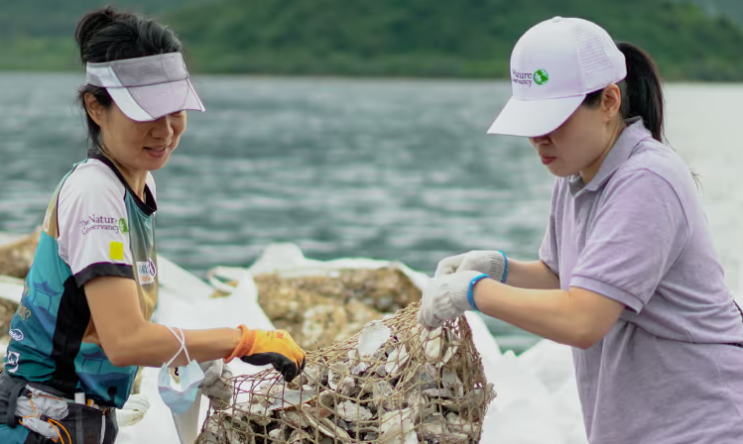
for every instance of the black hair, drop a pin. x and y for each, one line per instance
(105, 35)
(642, 92)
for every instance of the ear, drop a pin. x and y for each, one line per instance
(95, 110)
(611, 102)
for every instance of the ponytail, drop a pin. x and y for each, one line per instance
(642, 93)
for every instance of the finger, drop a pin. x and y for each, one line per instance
(448, 265)
(427, 319)
(289, 371)
(264, 359)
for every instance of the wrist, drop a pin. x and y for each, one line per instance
(244, 345)
(471, 290)
(498, 267)
(237, 335)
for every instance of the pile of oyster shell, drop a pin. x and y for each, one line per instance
(16, 257)
(394, 383)
(322, 310)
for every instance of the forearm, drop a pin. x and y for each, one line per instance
(152, 345)
(531, 274)
(551, 314)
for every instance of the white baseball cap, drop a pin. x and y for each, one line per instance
(147, 88)
(554, 65)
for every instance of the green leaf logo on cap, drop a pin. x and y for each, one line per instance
(123, 228)
(541, 77)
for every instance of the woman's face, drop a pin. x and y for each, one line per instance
(581, 143)
(139, 146)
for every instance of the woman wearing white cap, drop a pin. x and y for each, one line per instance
(627, 274)
(83, 325)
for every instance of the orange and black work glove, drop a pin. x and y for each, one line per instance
(275, 347)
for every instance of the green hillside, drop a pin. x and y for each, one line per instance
(733, 9)
(470, 38)
(463, 38)
(55, 18)
(38, 34)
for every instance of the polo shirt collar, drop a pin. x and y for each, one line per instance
(619, 153)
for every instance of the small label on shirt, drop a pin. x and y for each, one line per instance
(146, 271)
(116, 251)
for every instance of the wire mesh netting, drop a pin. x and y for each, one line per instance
(394, 383)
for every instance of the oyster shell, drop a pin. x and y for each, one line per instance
(438, 393)
(297, 437)
(381, 390)
(336, 373)
(359, 369)
(352, 412)
(435, 431)
(396, 360)
(276, 434)
(434, 343)
(451, 382)
(295, 419)
(374, 336)
(420, 406)
(459, 425)
(257, 413)
(396, 425)
(311, 376)
(450, 352)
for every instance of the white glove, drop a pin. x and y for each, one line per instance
(133, 411)
(445, 298)
(217, 384)
(492, 263)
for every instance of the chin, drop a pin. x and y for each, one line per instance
(560, 172)
(157, 163)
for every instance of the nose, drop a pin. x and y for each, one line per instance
(539, 140)
(162, 128)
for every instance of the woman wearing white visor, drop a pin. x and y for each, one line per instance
(84, 325)
(627, 274)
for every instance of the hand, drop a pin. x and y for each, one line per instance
(275, 347)
(492, 263)
(445, 298)
(217, 384)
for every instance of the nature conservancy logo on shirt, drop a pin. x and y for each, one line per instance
(123, 227)
(96, 222)
(146, 271)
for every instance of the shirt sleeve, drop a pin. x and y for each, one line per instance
(638, 233)
(548, 250)
(92, 215)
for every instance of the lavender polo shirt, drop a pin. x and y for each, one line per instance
(669, 370)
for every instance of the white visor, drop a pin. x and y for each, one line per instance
(147, 88)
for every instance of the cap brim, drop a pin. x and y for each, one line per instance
(533, 118)
(151, 102)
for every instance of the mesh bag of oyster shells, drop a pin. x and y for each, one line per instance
(393, 383)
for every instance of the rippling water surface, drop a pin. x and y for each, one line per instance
(388, 169)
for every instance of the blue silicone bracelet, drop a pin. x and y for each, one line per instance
(470, 291)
